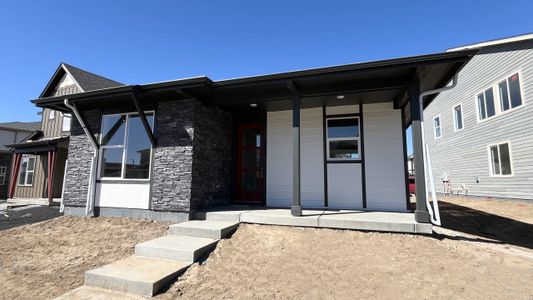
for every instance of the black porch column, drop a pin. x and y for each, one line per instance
(421, 212)
(296, 208)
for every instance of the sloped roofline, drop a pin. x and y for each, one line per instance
(511, 39)
(60, 71)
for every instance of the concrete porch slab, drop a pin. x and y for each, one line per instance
(338, 219)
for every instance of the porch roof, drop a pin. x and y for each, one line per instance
(376, 81)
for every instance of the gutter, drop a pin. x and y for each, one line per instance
(433, 210)
(89, 206)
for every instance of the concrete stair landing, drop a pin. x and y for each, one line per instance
(155, 263)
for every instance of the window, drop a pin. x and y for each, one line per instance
(126, 149)
(343, 138)
(485, 104)
(509, 92)
(51, 114)
(3, 171)
(26, 171)
(500, 159)
(66, 122)
(436, 126)
(458, 117)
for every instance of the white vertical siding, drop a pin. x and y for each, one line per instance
(464, 153)
(279, 158)
(384, 161)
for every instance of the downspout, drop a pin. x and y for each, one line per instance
(89, 207)
(434, 213)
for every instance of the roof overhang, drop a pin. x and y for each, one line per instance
(377, 81)
(39, 145)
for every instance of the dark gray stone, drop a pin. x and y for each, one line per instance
(80, 153)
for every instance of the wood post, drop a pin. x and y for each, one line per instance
(14, 175)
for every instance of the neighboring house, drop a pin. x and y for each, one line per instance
(480, 133)
(12, 132)
(321, 138)
(45, 151)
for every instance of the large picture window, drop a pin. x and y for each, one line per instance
(500, 159)
(26, 171)
(343, 141)
(125, 147)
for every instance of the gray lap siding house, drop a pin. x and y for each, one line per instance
(214, 143)
(464, 154)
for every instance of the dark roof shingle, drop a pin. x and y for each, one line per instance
(24, 126)
(89, 81)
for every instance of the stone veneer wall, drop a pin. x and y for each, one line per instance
(191, 165)
(192, 160)
(211, 181)
(172, 158)
(79, 160)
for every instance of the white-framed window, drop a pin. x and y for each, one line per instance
(510, 93)
(502, 96)
(66, 122)
(500, 159)
(51, 114)
(26, 171)
(437, 127)
(458, 117)
(3, 171)
(343, 139)
(125, 151)
(485, 104)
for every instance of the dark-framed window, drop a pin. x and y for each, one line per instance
(126, 151)
(343, 138)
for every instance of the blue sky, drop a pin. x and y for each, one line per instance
(147, 41)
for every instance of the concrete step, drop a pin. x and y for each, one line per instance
(135, 275)
(206, 229)
(176, 247)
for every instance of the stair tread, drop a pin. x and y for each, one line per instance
(140, 269)
(178, 242)
(206, 224)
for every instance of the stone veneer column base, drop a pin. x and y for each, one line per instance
(167, 216)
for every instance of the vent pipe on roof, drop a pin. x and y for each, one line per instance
(89, 206)
(433, 209)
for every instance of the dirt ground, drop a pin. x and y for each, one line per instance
(46, 259)
(268, 262)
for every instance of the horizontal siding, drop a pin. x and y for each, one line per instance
(464, 154)
(279, 158)
(384, 161)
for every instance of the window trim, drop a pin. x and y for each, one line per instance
(496, 104)
(496, 92)
(124, 147)
(435, 128)
(3, 175)
(357, 138)
(26, 175)
(491, 173)
(455, 117)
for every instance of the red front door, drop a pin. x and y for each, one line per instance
(250, 161)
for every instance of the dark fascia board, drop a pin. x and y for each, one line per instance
(294, 75)
(123, 90)
(52, 80)
(15, 130)
(262, 79)
(37, 143)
